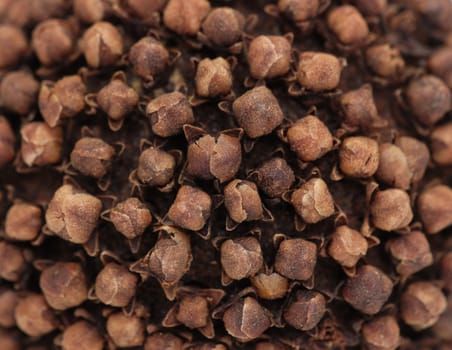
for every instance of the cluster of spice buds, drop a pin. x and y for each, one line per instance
(219, 175)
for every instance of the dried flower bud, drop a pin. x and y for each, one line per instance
(270, 286)
(246, 319)
(347, 246)
(12, 262)
(125, 331)
(185, 16)
(242, 201)
(169, 259)
(410, 253)
(82, 336)
(117, 99)
(359, 107)
(193, 311)
(434, 206)
(169, 113)
(8, 302)
(211, 157)
(269, 56)
(421, 305)
(306, 311)
(428, 98)
(391, 210)
(223, 26)
(440, 64)
(160, 340)
(9, 340)
(145, 9)
(14, 44)
(102, 45)
(275, 177)
(385, 60)
(319, 71)
(441, 329)
(15, 12)
(7, 142)
(92, 156)
(441, 144)
(131, 217)
(368, 290)
(191, 208)
(115, 285)
(347, 23)
(313, 201)
(41, 144)
(302, 10)
(417, 156)
(241, 257)
(149, 58)
(64, 285)
(296, 259)
(258, 112)
(89, 11)
(381, 333)
(72, 214)
(359, 156)
(53, 40)
(213, 77)
(446, 271)
(18, 91)
(371, 7)
(309, 138)
(34, 317)
(46, 9)
(207, 346)
(23, 222)
(155, 167)
(393, 167)
(64, 99)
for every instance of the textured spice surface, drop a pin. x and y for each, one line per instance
(225, 174)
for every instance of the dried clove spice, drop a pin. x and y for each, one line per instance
(421, 304)
(185, 17)
(359, 156)
(318, 71)
(13, 262)
(23, 222)
(241, 257)
(269, 56)
(411, 253)
(191, 208)
(102, 45)
(258, 112)
(41, 144)
(385, 60)
(347, 23)
(246, 319)
(125, 331)
(306, 310)
(368, 290)
(18, 92)
(7, 142)
(433, 206)
(242, 201)
(296, 259)
(14, 44)
(64, 285)
(72, 214)
(92, 157)
(382, 333)
(63, 99)
(8, 303)
(33, 316)
(82, 335)
(275, 177)
(213, 77)
(313, 201)
(155, 167)
(391, 210)
(115, 285)
(131, 217)
(347, 246)
(441, 144)
(169, 113)
(309, 138)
